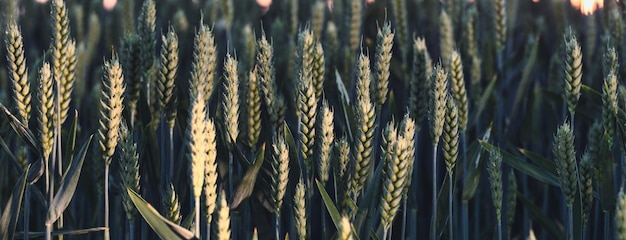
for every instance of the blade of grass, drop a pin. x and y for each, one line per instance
(11, 212)
(161, 226)
(63, 232)
(246, 186)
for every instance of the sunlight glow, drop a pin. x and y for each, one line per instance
(109, 4)
(587, 7)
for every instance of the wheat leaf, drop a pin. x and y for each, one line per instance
(244, 190)
(538, 173)
(60, 233)
(161, 226)
(11, 213)
(68, 186)
(540, 218)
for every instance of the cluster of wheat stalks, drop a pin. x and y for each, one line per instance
(218, 119)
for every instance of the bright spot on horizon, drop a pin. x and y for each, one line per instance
(41, 1)
(264, 3)
(109, 4)
(587, 7)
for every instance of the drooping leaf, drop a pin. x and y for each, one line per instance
(527, 168)
(330, 206)
(161, 226)
(539, 160)
(244, 190)
(61, 233)
(22, 131)
(68, 186)
(11, 212)
(71, 142)
(348, 114)
(474, 170)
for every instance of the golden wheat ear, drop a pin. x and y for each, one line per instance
(18, 72)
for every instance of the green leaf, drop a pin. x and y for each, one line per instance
(539, 160)
(68, 186)
(538, 173)
(71, 142)
(11, 212)
(345, 106)
(332, 209)
(22, 131)
(605, 183)
(474, 170)
(61, 233)
(540, 218)
(595, 95)
(244, 190)
(161, 226)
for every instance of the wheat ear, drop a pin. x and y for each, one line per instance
(420, 80)
(230, 101)
(18, 72)
(494, 169)
(210, 173)
(345, 229)
(167, 77)
(63, 56)
(223, 218)
(130, 59)
(384, 44)
(446, 38)
(299, 210)
(586, 173)
(395, 174)
(265, 62)
(196, 139)
(511, 203)
(567, 168)
(573, 71)
(171, 205)
(252, 129)
(609, 106)
(129, 171)
(366, 121)
(204, 62)
(620, 215)
(457, 87)
(325, 139)
(45, 110)
(145, 30)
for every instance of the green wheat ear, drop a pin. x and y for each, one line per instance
(573, 71)
(166, 83)
(420, 80)
(565, 159)
(230, 99)
(384, 44)
(451, 135)
(494, 168)
(446, 38)
(586, 173)
(620, 216)
(130, 59)
(457, 87)
(18, 72)
(204, 62)
(171, 205)
(252, 130)
(129, 169)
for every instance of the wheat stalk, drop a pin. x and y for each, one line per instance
(511, 203)
(18, 72)
(384, 44)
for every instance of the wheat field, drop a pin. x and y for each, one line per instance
(312, 119)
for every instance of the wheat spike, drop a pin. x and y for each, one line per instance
(230, 101)
(195, 137)
(354, 25)
(494, 168)
(586, 172)
(319, 69)
(345, 229)
(325, 138)
(248, 42)
(145, 30)
(280, 173)
(210, 172)
(407, 132)
(223, 218)
(111, 106)
(130, 59)
(364, 144)
(457, 87)
(171, 206)
(342, 169)
(305, 60)
(469, 31)
(204, 62)
(364, 79)
(565, 159)
(129, 169)
(420, 78)
(45, 109)
(318, 13)
(299, 210)
(252, 129)
(609, 106)
(265, 62)
(308, 114)
(500, 25)
(63, 56)
(451, 135)
(573, 71)
(167, 77)
(437, 103)
(620, 215)
(610, 61)
(398, 7)
(18, 72)
(384, 44)
(446, 38)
